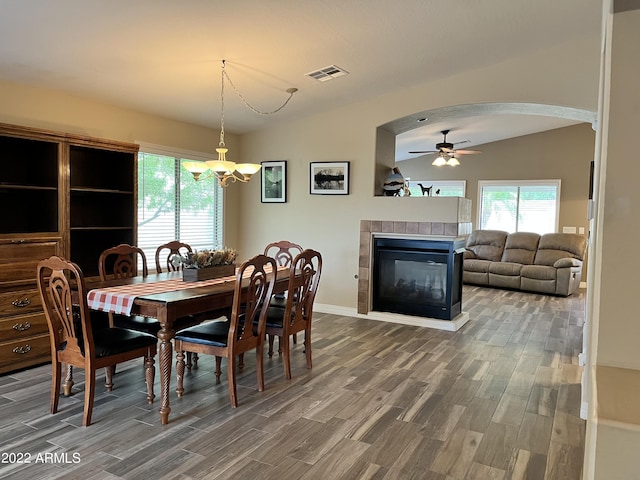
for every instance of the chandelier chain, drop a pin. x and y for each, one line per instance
(290, 91)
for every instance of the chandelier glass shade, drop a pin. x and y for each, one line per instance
(443, 159)
(439, 161)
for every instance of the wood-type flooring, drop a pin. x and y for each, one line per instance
(498, 399)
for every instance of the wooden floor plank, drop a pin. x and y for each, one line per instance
(498, 399)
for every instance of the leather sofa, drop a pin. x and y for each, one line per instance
(549, 263)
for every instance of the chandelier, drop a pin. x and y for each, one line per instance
(225, 170)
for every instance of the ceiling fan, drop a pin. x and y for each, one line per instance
(446, 153)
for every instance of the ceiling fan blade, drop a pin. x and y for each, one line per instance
(446, 150)
(425, 151)
(465, 152)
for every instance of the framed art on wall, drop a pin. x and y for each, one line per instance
(329, 178)
(274, 182)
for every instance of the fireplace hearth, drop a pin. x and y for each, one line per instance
(420, 277)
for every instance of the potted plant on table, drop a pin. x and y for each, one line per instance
(207, 264)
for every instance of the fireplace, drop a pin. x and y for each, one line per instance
(420, 277)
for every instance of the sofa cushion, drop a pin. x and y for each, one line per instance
(554, 246)
(505, 268)
(487, 244)
(475, 265)
(521, 247)
(538, 272)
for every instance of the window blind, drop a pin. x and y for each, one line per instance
(173, 206)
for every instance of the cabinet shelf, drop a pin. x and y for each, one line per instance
(100, 190)
(10, 186)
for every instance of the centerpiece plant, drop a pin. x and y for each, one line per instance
(207, 264)
(207, 258)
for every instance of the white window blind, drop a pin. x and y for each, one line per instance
(173, 206)
(531, 206)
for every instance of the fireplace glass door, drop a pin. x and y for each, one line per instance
(415, 281)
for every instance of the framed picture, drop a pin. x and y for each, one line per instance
(274, 182)
(329, 178)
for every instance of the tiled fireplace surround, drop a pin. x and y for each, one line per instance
(369, 228)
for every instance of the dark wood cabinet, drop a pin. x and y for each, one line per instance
(60, 194)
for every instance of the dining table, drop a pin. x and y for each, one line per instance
(167, 297)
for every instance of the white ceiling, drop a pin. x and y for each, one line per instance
(164, 56)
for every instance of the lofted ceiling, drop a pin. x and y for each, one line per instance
(164, 56)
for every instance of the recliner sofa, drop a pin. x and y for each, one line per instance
(549, 263)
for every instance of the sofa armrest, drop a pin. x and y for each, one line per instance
(567, 262)
(468, 254)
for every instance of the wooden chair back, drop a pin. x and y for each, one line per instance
(174, 248)
(304, 279)
(63, 291)
(252, 307)
(121, 262)
(283, 252)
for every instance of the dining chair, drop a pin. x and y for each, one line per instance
(295, 316)
(73, 340)
(283, 252)
(121, 262)
(237, 335)
(174, 247)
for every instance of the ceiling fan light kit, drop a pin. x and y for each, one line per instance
(446, 152)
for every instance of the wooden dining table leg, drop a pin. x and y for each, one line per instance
(165, 353)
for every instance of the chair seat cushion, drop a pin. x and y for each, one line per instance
(112, 341)
(151, 325)
(275, 316)
(278, 300)
(137, 323)
(210, 333)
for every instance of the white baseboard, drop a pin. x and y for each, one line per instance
(449, 325)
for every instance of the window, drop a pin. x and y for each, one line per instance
(173, 206)
(531, 206)
(443, 188)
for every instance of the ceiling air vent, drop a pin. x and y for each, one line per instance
(327, 73)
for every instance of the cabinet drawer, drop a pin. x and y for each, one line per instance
(24, 353)
(22, 326)
(20, 302)
(19, 259)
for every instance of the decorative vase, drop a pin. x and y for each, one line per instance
(393, 184)
(208, 273)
